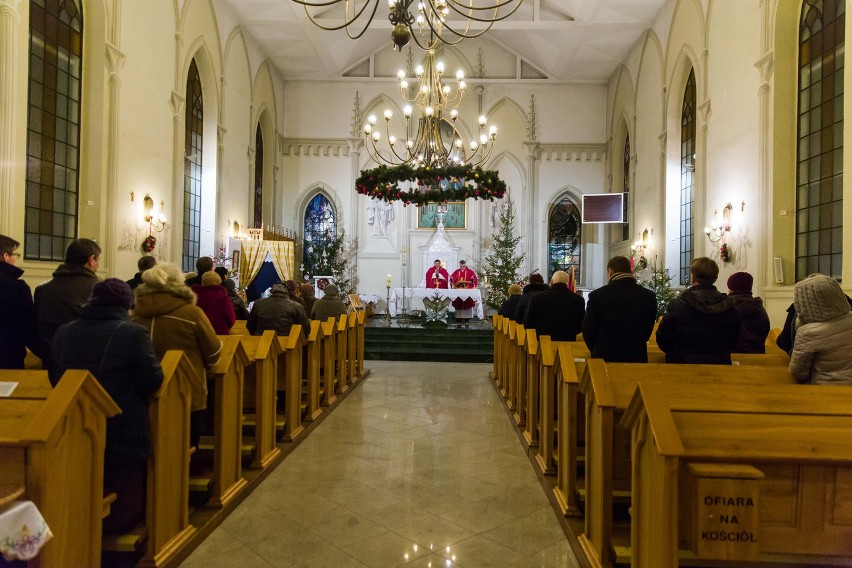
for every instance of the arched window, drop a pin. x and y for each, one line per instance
(563, 243)
(625, 232)
(320, 234)
(192, 169)
(258, 178)
(53, 127)
(819, 178)
(687, 176)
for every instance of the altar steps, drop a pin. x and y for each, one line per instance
(419, 344)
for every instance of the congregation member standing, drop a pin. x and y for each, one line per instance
(143, 264)
(240, 310)
(329, 306)
(17, 315)
(620, 316)
(535, 286)
(557, 312)
(308, 297)
(165, 306)
(754, 321)
(510, 304)
(119, 354)
(821, 352)
(702, 324)
(202, 265)
(277, 312)
(212, 298)
(60, 299)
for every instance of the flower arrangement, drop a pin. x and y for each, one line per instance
(149, 243)
(724, 253)
(434, 185)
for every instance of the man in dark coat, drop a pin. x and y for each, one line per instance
(510, 305)
(202, 265)
(17, 319)
(60, 299)
(557, 312)
(143, 264)
(620, 316)
(120, 355)
(329, 306)
(277, 312)
(702, 324)
(535, 286)
(754, 321)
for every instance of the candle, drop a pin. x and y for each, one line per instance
(389, 280)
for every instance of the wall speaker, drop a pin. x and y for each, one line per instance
(778, 267)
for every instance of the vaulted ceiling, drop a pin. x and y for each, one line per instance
(566, 40)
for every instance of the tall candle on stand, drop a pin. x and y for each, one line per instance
(389, 280)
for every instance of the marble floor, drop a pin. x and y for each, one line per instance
(419, 466)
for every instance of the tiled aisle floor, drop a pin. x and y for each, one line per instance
(419, 467)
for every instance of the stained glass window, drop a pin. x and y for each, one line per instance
(625, 232)
(563, 243)
(687, 176)
(258, 179)
(819, 178)
(53, 128)
(320, 231)
(194, 136)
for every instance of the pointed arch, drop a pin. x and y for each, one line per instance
(511, 103)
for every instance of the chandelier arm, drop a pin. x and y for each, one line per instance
(391, 146)
(346, 22)
(374, 154)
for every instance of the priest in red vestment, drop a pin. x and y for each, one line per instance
(464, 277)
(437, 276)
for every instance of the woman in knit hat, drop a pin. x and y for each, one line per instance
(754, 321)
(821, 353)
(121, 357)
(510, 304)
(213, 299)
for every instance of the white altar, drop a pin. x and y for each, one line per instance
(419, 293)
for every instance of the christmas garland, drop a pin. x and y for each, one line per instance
(433, 185)
(149, 243)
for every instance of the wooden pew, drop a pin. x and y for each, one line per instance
(342, 342)
(351, 348)
(545, 408)
(311, 364)
(167, 501)
(263, 352)
(511, 352)
(607, 389)
(239, 328)
(54, 449)
(761, 473)
(497, 324)
(568, 426)
(329, 356)
(519, 393)
(228, 377)
(532, 400)
(31, 383)
(290, 381)
(360, 364)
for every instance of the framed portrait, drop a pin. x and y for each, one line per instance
(235, 261)
(456, 216)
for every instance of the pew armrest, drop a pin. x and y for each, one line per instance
(109, 499)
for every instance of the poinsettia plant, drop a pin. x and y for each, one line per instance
(430, 184)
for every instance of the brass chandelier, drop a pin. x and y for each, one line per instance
(437, 142)
(431, 19)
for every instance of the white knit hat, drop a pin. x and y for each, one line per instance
(819, 298)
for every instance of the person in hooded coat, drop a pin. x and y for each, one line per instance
(308, 297)
(329, 306)
(213, 299)
(702, 324)
(754, 321)
(277, 312)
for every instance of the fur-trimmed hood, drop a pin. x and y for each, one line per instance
(157, 300)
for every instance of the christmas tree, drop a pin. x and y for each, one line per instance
(660, 283)
(501, 261)
(330, 255)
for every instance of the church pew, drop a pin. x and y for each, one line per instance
(329, 355)
(239, 328)
(607, 389)
(531, 400)
(290, 381)
(31, 383)
(569, 427)
(228, 377)
(506, 390)
(54, 449)
(263, 352)
(342, 343)
(167, 500)
(351, 348)
(311, 368)
(32, 362)
(758, 474)
(360, 322)
(544, 405)
(501, 334)
(497, 324)
(519, 390)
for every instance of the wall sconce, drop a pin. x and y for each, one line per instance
(156, 223)
(640, 248)
(716, 232)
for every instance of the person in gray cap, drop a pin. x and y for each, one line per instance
(277, 312)
(821, 354)
(329, 306)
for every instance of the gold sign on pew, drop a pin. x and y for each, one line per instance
(725, 499)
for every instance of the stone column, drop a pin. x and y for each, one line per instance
(8, 55)
(115, 61)
(765, 65)
(250, 157)
(177, 102)
(529, 226)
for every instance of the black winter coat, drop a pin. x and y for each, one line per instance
(619, 320)
(17, 318)
(557, 312)
(530, 290)
(510, 307)
(59, 301)
(754, 323)
(701, 326)
(120, 355)
(277, 312)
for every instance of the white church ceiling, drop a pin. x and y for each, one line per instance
(561, 40)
